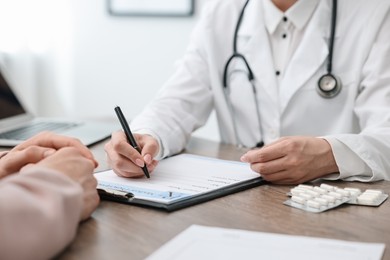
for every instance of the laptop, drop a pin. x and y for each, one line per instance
(17, 124)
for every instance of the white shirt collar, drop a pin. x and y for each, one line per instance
(299, 14)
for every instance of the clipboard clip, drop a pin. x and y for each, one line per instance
(115, 194)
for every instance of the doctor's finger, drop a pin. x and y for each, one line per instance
(152, 165)
(133, 171)
(116, 160)
(149, 146)
(128, 174)
(122, 166)
(119, 145)
(269, 167)
(118, 136)
(264, 154)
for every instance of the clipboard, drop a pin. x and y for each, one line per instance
(178, 182)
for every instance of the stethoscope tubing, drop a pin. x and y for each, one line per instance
(324, 81)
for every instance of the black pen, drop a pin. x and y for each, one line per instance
(129, 135)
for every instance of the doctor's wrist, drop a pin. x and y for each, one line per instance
(328, 162)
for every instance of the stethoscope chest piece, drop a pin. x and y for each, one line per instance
(329, 86)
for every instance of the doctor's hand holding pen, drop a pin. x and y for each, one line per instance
(293, 160)
(125, 160)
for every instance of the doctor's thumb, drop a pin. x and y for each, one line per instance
(244, 158)
(150, 149)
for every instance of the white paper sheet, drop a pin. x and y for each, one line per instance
(180, 177)
(199, 242)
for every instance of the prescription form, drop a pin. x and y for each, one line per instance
(180, 177)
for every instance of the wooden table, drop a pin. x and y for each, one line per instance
(119, 231)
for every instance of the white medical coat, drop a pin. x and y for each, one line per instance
(357, 121)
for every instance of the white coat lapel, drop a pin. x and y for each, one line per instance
(257, 50)
(309, 56)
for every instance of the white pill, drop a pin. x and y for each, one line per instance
(353, 189)
(322, 201)
(313, 193)
(335, 194)
(306, 196)
(330, 199)
(380, 192)
(320, 190)
(371, 196)
(304, 186)
(327, 187)
(365, 200)
(354, 192)
(298, 199)
(313, 204)
(345, 193)
(297, 189)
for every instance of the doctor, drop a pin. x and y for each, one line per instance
(309, 79)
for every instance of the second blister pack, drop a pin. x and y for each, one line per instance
(324, 197)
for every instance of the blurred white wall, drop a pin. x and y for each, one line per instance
(71, 58)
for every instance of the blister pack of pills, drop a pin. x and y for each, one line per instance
(324, 197)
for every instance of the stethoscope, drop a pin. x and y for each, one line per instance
(328, 85)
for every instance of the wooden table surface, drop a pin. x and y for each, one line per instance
(119, 231)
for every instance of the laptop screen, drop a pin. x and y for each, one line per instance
(9, 104)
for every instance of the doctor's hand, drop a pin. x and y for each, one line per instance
(293, 160)
(125, 160)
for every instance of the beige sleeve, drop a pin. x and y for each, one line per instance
(39, 213)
